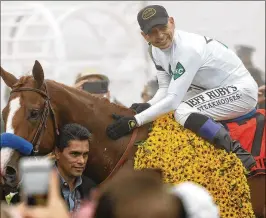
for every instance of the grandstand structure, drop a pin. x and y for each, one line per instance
(69, 37)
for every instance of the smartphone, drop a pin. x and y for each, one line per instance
(97, 87)
(35, 176)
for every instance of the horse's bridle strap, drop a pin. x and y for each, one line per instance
(32, 90)
(42, 125)
(44, 117)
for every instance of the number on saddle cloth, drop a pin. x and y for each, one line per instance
(250, 132)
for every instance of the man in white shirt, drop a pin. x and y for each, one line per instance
(199, 78)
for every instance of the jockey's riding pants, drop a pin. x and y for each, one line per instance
(221, 103)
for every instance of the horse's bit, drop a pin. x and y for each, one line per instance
(44, 117)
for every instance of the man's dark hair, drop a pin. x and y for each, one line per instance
(72, 131)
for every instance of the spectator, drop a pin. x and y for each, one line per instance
(130, 194)
(92, 77)
(71, 156)
(102, 90)
(149, 90)
(261, 96)
(197, 201)
(245, 53)
(139, 194)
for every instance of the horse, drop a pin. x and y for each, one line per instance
(38, 108)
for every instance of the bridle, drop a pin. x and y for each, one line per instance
(47, 109)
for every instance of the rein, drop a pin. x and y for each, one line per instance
(124, 156)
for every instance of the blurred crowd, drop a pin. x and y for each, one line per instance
(245, 53)
(130, 194)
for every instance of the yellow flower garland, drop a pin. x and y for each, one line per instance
(182, 156)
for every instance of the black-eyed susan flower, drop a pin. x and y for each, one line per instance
(183, 156)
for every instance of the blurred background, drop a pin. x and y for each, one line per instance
(69, 37)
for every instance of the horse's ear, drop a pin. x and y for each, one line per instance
(8, 78)
(38, 74)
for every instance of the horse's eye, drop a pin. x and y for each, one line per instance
(34, 114)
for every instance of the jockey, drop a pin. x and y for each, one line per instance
(199, 78)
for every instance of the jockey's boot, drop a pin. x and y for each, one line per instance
(216, 134)
(223, 140)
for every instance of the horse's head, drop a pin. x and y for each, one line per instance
(28, 115)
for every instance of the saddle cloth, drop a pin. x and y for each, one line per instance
(250, 132)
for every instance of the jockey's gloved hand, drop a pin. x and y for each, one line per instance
(121, 127)
(139, 107)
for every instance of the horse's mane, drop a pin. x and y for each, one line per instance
(76, 93)
(22, 81)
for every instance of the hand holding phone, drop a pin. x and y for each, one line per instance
(56, 206)
(96, 87)
(35, 177)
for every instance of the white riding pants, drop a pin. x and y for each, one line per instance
(221, 103)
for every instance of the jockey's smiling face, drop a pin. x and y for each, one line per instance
(161, 36)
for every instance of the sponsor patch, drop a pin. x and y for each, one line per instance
(179, 71)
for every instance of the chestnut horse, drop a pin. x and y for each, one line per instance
(37, 108)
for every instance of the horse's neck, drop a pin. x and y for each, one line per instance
(75, 106)
(78, 106)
